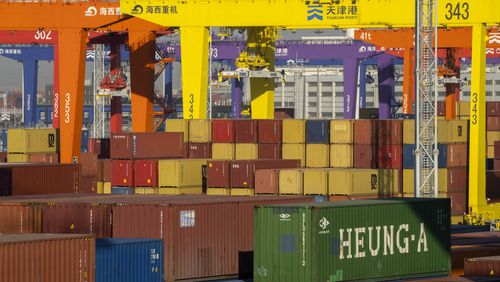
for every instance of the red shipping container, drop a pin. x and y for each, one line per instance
(493, 123)
(365, 156)
(493, 185)
(457, 155)
(270, 131)
(497, 150)
(243, 172)
(493, 109)
(146, 173)
(200, 150)
(88, 164)
(88, 184)
(100, 146)
(105, 170)
(123, 173)
(219, 174)
(223, 131)
(458, 203)
(246, 131)
(457, 179)
(270, 151)
(49, 158)
(441, 108)
(365, 131)
(389, 156)
(147, 145)
(390, 132)
(20, 217)
(267, 181)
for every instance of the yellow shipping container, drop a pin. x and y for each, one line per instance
(492, 136)
(409, 131)
(146, 190)
(180, 173)
(315, 181)
(107, 188)
(341, 131)
(458, 131)
(388, 181)
(291, 182)
(100, 187)
(196, 190)
(32, 140)
(341, 155)
(223, 151)
(353, 182)
(17, 158)
(294, 131)
(317, 155)
(178, 125)
(242, 192)
(491, 152)
(294, 152)
(443, 131)
(463, 109)
(219, 191)
(247, 151)
(200, 130)
(463, 118)
(409, 180)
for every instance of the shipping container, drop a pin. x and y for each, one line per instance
(365, 156)
(246, 151)
(267, 181)
(20, 218)
(315, 181)
(496, 144)
(461, 252)
(443, 131)
(341, 155)
(47, 257)
(490, 152)
(365, 132)
(180, 173)
(355, 182)
(223, 131)
(317, 155)
(457, 179)
(294, 152)
(88, 164)
(492, 136)
(147, 145)
(88, 184)
(390, 132)
(32, 140)
(458, 201)
(119, 260)
(17, 158)
(463, 108)
(31, 179)
(409, 131)
(493, 109)
(341, 131)
(105, 172)
(482, 267)
(246, 131)
(323, 241)
(317, 131)
(200, 130)
(270, 151)
(496, 164)
(223, 151)
(291, 182)
(441, 108)
(100, 146)
(146, 173)
(243, 172)
(270, 131)
(200, 150)
(122, 190)
(107, 188)
(219, 174)
(493, 185)
(123, 173)
(294, 131)
(409, 180)
(493, 123)
(459, 131)
(178, 125)
(409, 155)
(147, 190)
(3, 157)
(204, 236)
(389, 156)
(49, 158)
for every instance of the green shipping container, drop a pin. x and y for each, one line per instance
(363, 240)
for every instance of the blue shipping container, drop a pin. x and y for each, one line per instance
(409, 156)
(123, 190)
(318, 131)
(123, 260)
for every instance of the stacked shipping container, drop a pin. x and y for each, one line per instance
(32, 145)
(493, 129)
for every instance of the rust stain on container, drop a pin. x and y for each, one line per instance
(88, 164)
(270, 131)
(200, 150)
(123, 173)
(365, 131)
(457, 155)
(270, 151)
(365, 156)
(267, 181)
(246, 131)
(219, 174)
(147, 145)
(47, 257)
(390, 132)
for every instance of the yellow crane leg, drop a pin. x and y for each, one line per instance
(262, 89)
(477, 144)
(194, 68)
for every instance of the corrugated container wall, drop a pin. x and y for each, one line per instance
(294, 131)
(223, 131)
(482, 267)
(50, 158)
(317, 155)
(341, 155)
(493, 124)
(365, 156)
(20, 218)
(354, 182)
(120, 260)
(464, 108)
(341, 131)
(409, 131)
(315, 181)
(457, 155)
(267, 181)
(246, 151)
(294, 152)
(365, 131)
(246, 131)
(180, 173)
(219, 174)
(200, 130)
(317, 132)
(389, 156)
(390, 132)
(147, 145)
(409, 155)
(291, 182)
(178, 125)
(493, 109)
(123, 173)
(409, 180)
(223, 151)
(458, 131)
(200, 150)
(88, 164)
(100, 146)
(47, 257)
(321, 242)
(270, 131)
(146, 173)
(26, 140)
(270, 151)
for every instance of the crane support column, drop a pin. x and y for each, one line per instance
(142, 61)
(350, 87)
(262, 89)
(237, 96)
(408, 81)
(56, 87)
(72, 48)
(30, 75)
(194, 69)
(362, 85)
(477, 143)
(385, 67)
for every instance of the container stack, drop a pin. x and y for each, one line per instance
(246, 137)
(32, 145)
(89, 170)
(496, 164)
(365, 144)
(317, 143)
(270, 139)
(223, 138)
(200, 138)
(463, 112)
(342, 144)
(104, 176)
(294, 139)
(493, 127)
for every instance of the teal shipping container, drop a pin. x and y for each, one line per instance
(365, 240)
(129, 260)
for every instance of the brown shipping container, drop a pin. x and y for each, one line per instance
(458, 203)
(482, 267)
(243, 172)
(123, 173)
(88, 184)
(20, 218)
(204, 236)
(47, 257)
(270, 151)
(267, 181)
(270, 131)
(107, 170)
(365, 131)
(441, 108)
(457, 155)
(219, 174)
(147, 145)
(365, 156)
(460, 252)
(32, 179)
(100, 146)
(493, 185)
(246, 131)
(3, 157)
(493, 109)
(200, 150)
(88, 164)
(497, 149)
(496, 164)
(457, 179)
(493, 123)
(49, 158)
(390, 132)
(146, 173)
